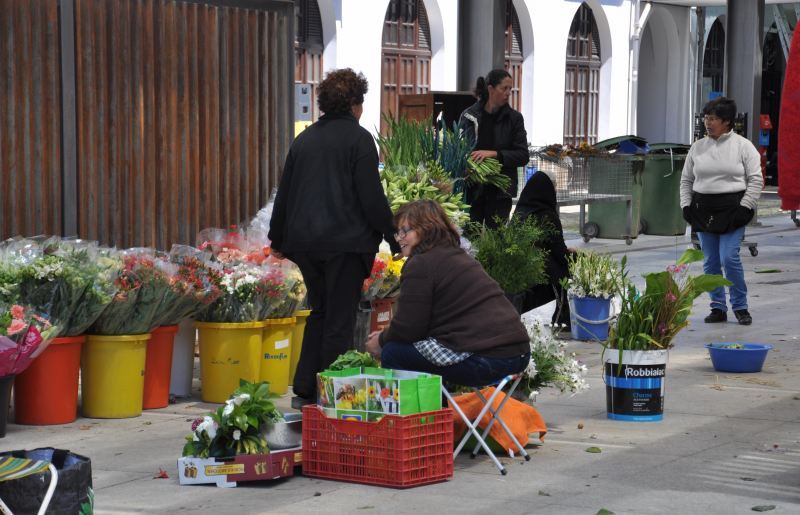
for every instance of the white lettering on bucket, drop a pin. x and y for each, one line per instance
(644, 372)
(281, 344)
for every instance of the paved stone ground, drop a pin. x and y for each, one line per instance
(728, 442)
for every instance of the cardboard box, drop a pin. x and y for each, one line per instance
(368, 394)
(227, 472)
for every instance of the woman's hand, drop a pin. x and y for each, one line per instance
(374, 344)
(479, 155)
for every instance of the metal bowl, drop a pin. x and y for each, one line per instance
(287, 434)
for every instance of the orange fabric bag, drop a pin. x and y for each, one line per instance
(522, 419)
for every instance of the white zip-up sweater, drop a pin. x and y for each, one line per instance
(727, 164)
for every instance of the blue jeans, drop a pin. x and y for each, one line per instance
(721, 251)
(476, 370)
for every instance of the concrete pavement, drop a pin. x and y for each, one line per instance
(728, 442)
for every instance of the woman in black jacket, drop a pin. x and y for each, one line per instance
(329, 216)
(497, 131)
(538, 200)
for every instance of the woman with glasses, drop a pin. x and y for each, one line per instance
(720, 186)
(329, 216)
(452, 319)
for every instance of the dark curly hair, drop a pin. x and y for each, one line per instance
(341, 90)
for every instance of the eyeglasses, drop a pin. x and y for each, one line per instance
(403, 231)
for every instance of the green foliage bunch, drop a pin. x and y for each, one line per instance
(511, 254)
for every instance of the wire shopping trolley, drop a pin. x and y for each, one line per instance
(587, 178)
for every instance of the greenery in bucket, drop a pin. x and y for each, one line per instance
(650, 320)
(731, 346)
(594, 275)
(511, 254)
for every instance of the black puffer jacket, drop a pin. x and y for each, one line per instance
(510, 138)
(330, 198)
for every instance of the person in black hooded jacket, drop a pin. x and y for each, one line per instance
(329, 216)
(498, 131)
(538, 199)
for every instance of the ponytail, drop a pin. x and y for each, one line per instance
(493, 78)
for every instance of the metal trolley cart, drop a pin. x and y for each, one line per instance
(587, 178)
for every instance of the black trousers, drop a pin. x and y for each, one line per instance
(334, 282)
(486, 207)
(541, 294)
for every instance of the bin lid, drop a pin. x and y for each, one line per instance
(628, 144)
(667, 148)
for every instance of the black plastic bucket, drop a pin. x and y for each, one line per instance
(5, 401)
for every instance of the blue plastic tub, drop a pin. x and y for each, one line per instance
(750, 358)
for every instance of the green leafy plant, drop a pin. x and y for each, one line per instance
(650, 320)
(236, 427)
(403, 184)
(408, 142)
(353, 359)
(511, 254)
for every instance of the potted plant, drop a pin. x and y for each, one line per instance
(594, 279)
(635, 357)
(511, 255)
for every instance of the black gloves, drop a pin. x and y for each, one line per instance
(742, 216)
(687, 214)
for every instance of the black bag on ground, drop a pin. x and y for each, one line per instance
(73, 494)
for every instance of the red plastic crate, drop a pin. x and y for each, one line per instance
(397, 451)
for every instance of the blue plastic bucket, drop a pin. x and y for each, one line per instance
(589, 318)
(635, 389)
(749, 358)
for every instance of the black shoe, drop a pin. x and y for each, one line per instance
(743, 316)
(716, 316)
(299, 402)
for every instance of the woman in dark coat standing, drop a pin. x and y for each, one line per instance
(538, 199)
(330, 214)
(497, 131)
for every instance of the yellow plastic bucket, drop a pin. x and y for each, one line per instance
(297, 340)
(276, 353)
(228, 352)
(112, 375)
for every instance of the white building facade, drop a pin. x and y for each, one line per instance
(647, 61)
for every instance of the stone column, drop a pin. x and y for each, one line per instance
(481, 39)
(743, 39)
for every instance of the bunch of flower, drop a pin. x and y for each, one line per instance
(193, 284)
(24, 334)
(292, 286)
(551, 365)
(141, 285)
(274, 289)
(650, 320)
(594, 275)
(372, 284)
(244, 290)
(237, 427)
(50, 275)
(390, 286)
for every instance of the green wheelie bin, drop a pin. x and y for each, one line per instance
(660, 212)
(608, 218)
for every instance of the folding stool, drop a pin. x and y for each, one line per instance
(512, 381)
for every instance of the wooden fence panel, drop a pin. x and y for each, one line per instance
(30, 118)
(180, 125)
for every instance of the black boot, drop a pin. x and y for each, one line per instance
(716, 316)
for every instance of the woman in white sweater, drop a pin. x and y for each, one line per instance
(720, 186)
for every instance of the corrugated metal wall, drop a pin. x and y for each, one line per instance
(30, 118)
(182, 115)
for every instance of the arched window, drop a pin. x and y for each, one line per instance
(406, 53)
(582, 83)
(513, 54)
(308, 48)
(714, 58)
